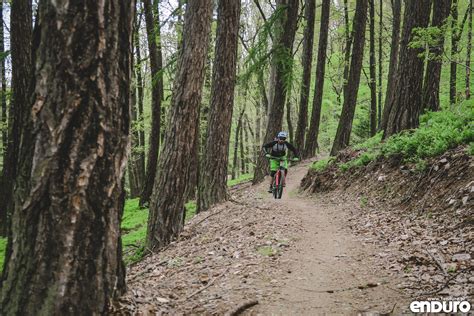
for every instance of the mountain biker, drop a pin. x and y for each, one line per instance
(278, 148)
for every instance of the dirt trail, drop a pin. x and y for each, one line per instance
(295, 256)
(328, 270)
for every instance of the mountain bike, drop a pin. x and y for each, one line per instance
(278, 179)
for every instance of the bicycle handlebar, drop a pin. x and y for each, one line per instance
(268, 156)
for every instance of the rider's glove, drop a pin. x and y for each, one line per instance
(268, 155)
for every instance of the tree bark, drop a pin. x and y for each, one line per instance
(235, 161)
(172, 177)
(347, 53)
(141, 125)
(372, 66)
(348, 108)
(392, 67)
(21, 33)
(283, 49)
(454, 51)
(435, 62)
(468, 53)
(156, 65)
(407, 101)
(379, 108)
(3, 96)
(306, 62)
(212, 186)
(67, 256)
(313, 131)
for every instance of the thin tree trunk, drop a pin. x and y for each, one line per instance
(306, 62)
(141, 125)
(407, 103)
(433, 69)
(156, 65)
(454, 51)
(67, 256)
(133, 174)
(235, 162)
(468, 53)
(348, 109)
(373, 84)
(313, 131)
(167, 202)
(3, 97)
(392, 68)
(283, 48)
(21, 34)
(289, 122)
(242, 146)
(379, 108)
(347, 53)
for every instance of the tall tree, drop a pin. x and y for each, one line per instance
(350, 100)
(456, 34)
(468, 53)
(168, 198)
(306, 62)
(407, 103)
(372, 66)
(347, 51)
(212, 187)
(66, 258)
(3, 96)
(379, 109)
(156, 65)
(313, 131)
(392, 67)
(281, 59)
(435, 62)
(21, 33)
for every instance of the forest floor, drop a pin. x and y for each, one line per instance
(298, 255)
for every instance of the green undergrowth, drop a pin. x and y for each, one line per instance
(438, 132)
(243, 178)
(134, 226)
(3, 246)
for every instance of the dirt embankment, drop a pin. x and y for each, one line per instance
(423, 219)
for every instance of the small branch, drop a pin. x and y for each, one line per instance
(207, 286)
(242, 307)
(437, 263)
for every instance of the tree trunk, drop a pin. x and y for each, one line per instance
(312, 135)
(156, 65)
(435, 62)
(373, 84)
(347, 53)
(67, 258)
(348, 108)
(379, 109)
(141, 125)
(468, 53)
(20, 32)
(289, 122)
(283, 48)
(172, 177)
(235, 161)
(407, 102)
(3, 97)
(242, 146)
(454, 51)
(392, 67)
(306, 62)
(212, 186)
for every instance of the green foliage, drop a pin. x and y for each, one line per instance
(471, 149)
(322, 164)
(3, 248)
(243, 178)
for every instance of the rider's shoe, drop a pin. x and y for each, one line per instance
(270, 190)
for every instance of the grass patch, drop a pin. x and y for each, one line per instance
(243, 178)
(267, 251)
(438, 132)
(322, 164)
(3, 248)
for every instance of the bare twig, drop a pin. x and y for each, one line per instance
(207, 286)
(437, 262)
(242, 307)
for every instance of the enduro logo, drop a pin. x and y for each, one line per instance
(436, 306)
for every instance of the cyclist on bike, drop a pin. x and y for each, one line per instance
(278, 148)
